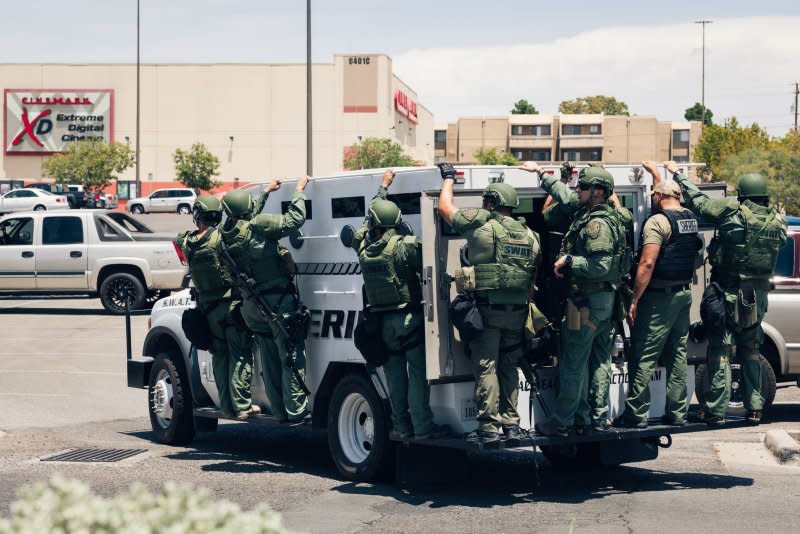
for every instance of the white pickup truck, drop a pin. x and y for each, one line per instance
(85, 251)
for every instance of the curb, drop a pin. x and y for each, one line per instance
(783, 446)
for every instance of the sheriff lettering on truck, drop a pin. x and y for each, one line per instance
(347, 398)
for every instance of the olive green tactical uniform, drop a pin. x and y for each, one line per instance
(503, 306)
(392, 270)
(232, 358)
(660, 330)
(595, 240)
(749, 237)
(254, 246)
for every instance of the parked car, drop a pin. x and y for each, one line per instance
(32, 199)
(86, 252)
(74, 198)
(100, 200)
(178, 199)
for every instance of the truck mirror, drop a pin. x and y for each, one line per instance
(346, 235)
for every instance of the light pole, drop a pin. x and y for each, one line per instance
(703, 75)
(138, 103)
(309, 122)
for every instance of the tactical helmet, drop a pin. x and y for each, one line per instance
(207, 210)
(238, 203)
(384, 214)
(597, 177)
(752, 185)
(503, 195)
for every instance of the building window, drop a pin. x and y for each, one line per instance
(680, 159)
(581, 129)
(516, 129)
(594, 129)
(680, 136)
(439, 139)
(344, 207)
(583, 154)
(527, 154)
(543, 130)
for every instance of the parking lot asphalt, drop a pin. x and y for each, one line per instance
(62, 386)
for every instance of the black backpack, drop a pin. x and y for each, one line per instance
(195, 326)
(712, 308)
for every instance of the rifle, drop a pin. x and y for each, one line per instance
(247, 285)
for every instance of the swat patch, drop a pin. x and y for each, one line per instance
(517, 251)
(593, 229)
(470, 213)
(687, 226)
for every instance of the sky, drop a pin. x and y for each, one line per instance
(463, 58)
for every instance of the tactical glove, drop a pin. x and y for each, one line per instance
(447, 170)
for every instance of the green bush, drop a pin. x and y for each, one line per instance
(69, 507)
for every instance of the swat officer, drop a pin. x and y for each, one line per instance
(230, 347)
(659, 312)
(391, 265)
(558, 216)
(504, 254)
(749, 235)
(593, 257)
(253, 244)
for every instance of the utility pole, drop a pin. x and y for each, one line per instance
(796, 93)
(703, 75)
(309, 123)
(138, 103)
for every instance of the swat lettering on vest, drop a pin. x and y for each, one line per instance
(516, 251)
(687, 226)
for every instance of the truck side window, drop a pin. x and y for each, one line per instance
(344, 207)
(285, 207)
(407, 202)
(17, 232)
(62, 231)
(106, 231)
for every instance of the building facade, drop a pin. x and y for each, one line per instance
(251, 116)
(610, 139)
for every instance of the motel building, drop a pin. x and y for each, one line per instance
(251, 116)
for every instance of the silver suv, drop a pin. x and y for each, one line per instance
(175, 199)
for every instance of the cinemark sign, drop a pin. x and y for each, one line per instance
(405, 106)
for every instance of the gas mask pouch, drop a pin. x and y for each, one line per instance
(746, 311)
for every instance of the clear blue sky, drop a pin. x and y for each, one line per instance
(426, 37)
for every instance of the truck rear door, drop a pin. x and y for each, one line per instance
(17, 258)
(61, 260)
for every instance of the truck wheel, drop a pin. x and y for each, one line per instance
(358, 431)
(768, 384)
(116, 287)
(170, 401)
(137, 209)
(184, 209)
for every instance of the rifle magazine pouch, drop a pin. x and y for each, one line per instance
(746, 311)
(368, 339)
(465, 279)
(573, 316)
(195, 327)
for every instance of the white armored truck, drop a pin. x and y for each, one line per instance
(347, 399)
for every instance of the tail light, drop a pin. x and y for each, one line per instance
(59, 199)
(179, 252)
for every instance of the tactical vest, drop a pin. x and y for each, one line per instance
(237, 236)
(209, 275)
(515, 253)
(675, 264)
(388, 283)
(621, 255)
(747, 245)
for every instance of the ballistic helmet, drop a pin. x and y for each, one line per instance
(597, 177)
(238, 203)
(384, 214)
(207, 210)
(502, 195)
(752, 185)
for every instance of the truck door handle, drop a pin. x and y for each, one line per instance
(27, 254)
(75, 254)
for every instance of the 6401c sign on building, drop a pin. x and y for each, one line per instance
(43, 121)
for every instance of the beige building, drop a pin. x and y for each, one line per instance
(251, 116)
(579, 138)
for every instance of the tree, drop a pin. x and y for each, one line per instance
(374, 153)
(721, 141)
(490, 156)
(94, 164)
(594, 104)
(196, 167)
(523, 107)
(695, 113)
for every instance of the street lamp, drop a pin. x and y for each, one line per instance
(138, 103)
(703, 75)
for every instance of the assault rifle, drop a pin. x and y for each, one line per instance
(247, 285)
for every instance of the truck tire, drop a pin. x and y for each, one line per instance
(114, 289)
(137, 209)
(170, 402)
(358, 431)
(184, 209)
(768, 384)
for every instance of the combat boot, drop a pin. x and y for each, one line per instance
(514, 433)
(483, 436)
(701, 416)
(753, 417)
(551, 429)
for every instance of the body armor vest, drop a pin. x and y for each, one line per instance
(237, 235)
(675, 264)
(210, 276)
(621, 261)
(747, 244)
(389, 286)
(515, 254)
(267, 262)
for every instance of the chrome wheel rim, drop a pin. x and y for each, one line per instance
(161, 399)
(356, 427)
